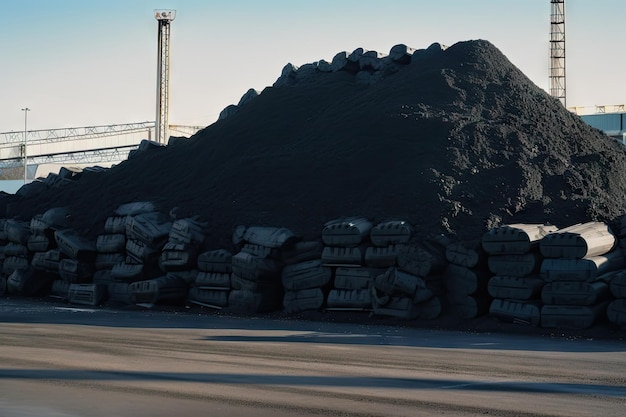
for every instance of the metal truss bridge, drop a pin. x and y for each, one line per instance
(105, 144)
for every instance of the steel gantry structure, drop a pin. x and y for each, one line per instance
(77, 133)
(102, 144)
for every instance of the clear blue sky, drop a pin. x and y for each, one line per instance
(92, 62)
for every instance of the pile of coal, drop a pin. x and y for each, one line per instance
(453, 140)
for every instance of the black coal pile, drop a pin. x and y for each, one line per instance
(453, 140)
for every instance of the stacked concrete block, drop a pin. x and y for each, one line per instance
(48, 262)
(177, 260)
(165, 289)
(44, 254)
(24, 279)
(146, 235)
(42, 230)
(15, 263)
(3, 243)
(391, 234)
(577, 262)
(118, 268)
(92, 290)
(616, 310)
(211, 288)
(76, 267)
(256, 277)
(15, 251)
(111, 247)
(305, 284)
(76, 256)
(427, 261)
(536, 274)
(344, 241)
(466, 278)
(3, 285)
(90, 294)
(398, 292)
(392, 291)
(351, 289)
(185, 240)
(76, 271)
(21, 277)
(515, 260)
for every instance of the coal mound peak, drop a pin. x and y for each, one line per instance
(367, 66)
(455, 140)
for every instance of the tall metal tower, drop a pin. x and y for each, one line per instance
(557, 50)
(164, 17)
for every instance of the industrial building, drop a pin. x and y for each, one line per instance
(613, 123)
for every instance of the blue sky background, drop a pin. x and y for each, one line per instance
(93, 62)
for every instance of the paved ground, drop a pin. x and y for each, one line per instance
(57, 360)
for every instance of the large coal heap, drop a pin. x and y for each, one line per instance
(456, 141)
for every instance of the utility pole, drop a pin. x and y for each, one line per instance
(25, 110)
(557, 50)
(164, 17)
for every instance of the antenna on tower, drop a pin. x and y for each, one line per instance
(557, 50)
(164, 17)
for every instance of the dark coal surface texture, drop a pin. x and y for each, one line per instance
(456, 142)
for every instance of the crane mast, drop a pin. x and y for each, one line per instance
(164, 18)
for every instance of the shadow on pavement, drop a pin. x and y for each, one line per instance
(317, 381)
(361, 332)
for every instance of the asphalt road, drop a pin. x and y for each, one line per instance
(60, 361)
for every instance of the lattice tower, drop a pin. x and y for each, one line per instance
(164, 18)
(557, 50)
